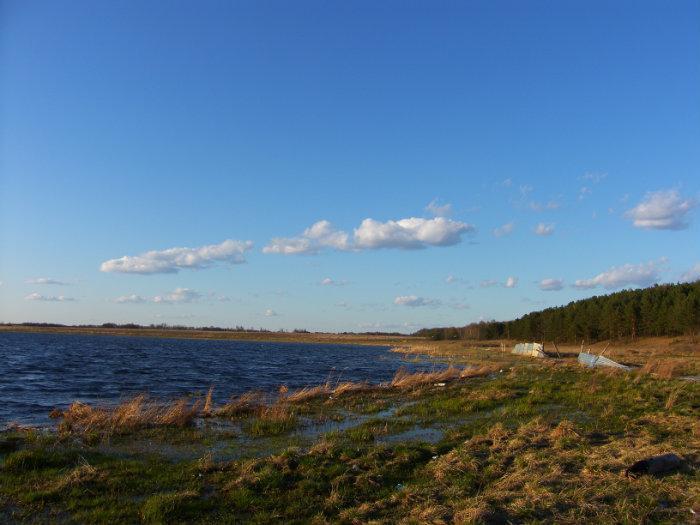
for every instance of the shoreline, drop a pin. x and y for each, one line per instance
(482, 444)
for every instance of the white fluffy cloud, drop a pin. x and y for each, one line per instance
(271, 313)
(413, 301)
(411, 233)
(179, 295)
(504, 230)
(173, 260)
(642, 274)
(45, 280)
(692, 275)
(332, 282)
(544, 229)
(49, 298)
(549, 285)
(511, 282)
(131, 298)
(661, 210)
(319, 235)
(439, 210)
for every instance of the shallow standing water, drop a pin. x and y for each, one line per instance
(39, 372)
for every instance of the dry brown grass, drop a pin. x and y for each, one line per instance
(325, 390)
(141, 412)
(480, 371)
(309, 392)
(532, 474)
(208, 403)
(78, 476)
(134, 414)
(279, 412)
(405, 379)
(673, 397)
(249, 403)
(266, 413)
(272, 420)
(349, 386)
(664, 368)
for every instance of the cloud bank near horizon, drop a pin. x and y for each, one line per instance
(46, 280)
(48, 298)
(177, 296)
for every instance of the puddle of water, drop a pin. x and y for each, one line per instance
(427, 435)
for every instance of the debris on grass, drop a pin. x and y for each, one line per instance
(593, 361)
(529, 349)
(655, 466)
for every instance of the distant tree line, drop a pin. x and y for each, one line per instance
(159, 326)
(661, 310)
(165, 326)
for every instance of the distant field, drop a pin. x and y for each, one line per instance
(671, 356)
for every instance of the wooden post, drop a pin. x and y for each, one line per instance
(557, 349)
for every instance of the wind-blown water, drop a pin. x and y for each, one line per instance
(39, 372)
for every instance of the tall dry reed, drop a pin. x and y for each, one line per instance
(134, 414)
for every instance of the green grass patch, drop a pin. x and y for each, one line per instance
(535, 444)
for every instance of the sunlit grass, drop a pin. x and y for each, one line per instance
(531, 444)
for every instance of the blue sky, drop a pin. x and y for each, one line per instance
(167, 161)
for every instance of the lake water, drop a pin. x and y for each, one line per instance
(41, 371)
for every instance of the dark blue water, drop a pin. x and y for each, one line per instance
(41, 371)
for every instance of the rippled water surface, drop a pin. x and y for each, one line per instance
(41, 371)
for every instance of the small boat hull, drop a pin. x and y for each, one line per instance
(592, 361)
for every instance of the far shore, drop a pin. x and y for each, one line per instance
(226, 335)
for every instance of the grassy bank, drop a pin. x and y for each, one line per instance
(535, 442)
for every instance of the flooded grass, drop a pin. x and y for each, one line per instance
(531, 444)
(134, 414)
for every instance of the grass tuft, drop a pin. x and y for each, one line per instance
(38, 459)
(167, 507)
(137, 413)
(243, 405)
(404, 379)
(272, 420)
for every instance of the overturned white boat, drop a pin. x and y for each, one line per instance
(529, 349)
(592, 361)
